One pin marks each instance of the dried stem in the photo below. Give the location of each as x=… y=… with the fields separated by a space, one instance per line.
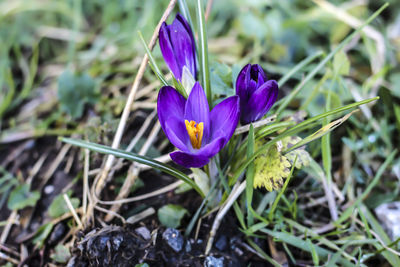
x=257 y=124
x=157 y=192
x=236 y=191
x=208 y=9
x=72 y=210
x=10 y=221
x=85 y=183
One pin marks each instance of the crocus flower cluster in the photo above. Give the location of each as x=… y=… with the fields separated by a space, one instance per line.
x=197 y=132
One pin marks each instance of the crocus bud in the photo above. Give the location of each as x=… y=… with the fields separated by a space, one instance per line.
x=178 y=47
x=256 y=93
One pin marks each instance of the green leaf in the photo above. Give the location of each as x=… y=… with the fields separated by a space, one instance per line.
x=201 y=179
x=42 y=233
x=314 y=253
x=182 y=188
x=271 y=168
x=134 y=157
x=171 y=215
x=221 y=78
x=142 y=265
x=61 y=254
x=74 y=91
x=341 y=64
x=58 y=207
x=21 y=197
x=250 y=177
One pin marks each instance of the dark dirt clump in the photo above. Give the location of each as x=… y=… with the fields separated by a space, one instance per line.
x=121 y=246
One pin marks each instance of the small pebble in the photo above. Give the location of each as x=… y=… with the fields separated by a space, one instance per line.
x=174 y=239
x=221 y=243
x=143 y=232
x=211 y=261
x=117 y=240
x=48 y=189
x=389 y=215
x=188 y=247
x=57 y=233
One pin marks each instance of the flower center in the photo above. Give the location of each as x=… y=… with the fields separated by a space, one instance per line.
x=195 y=133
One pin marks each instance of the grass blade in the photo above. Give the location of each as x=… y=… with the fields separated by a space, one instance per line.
x=152 y=61
x=183 y=8
x=134 y=157
x=250 y=176
x=203 y=51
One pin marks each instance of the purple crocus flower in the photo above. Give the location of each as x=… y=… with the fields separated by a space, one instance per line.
x=256 y=93
x=178 y=47
x=189 y=124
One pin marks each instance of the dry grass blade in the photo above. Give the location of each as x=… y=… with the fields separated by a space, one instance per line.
x=10 y=221
x=157 y=192
x=140 y=216
x=71 y=208
x=256 y=124
x=236 y=191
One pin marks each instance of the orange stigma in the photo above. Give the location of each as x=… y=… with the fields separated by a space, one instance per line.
x=195 y=133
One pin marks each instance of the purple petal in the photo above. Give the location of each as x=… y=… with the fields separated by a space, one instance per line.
x=261 y=79
x=256 y=72
x=242 y=82
x=189 y=160
x=175 y=130
x=261 y=101
x=185 y=24
x=170 y=104
x=211 y=149
x=168 y=51
x=197 y=109
x=224 y=118
x=183 y=46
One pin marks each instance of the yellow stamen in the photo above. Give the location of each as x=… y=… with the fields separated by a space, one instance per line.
x=195 y=133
